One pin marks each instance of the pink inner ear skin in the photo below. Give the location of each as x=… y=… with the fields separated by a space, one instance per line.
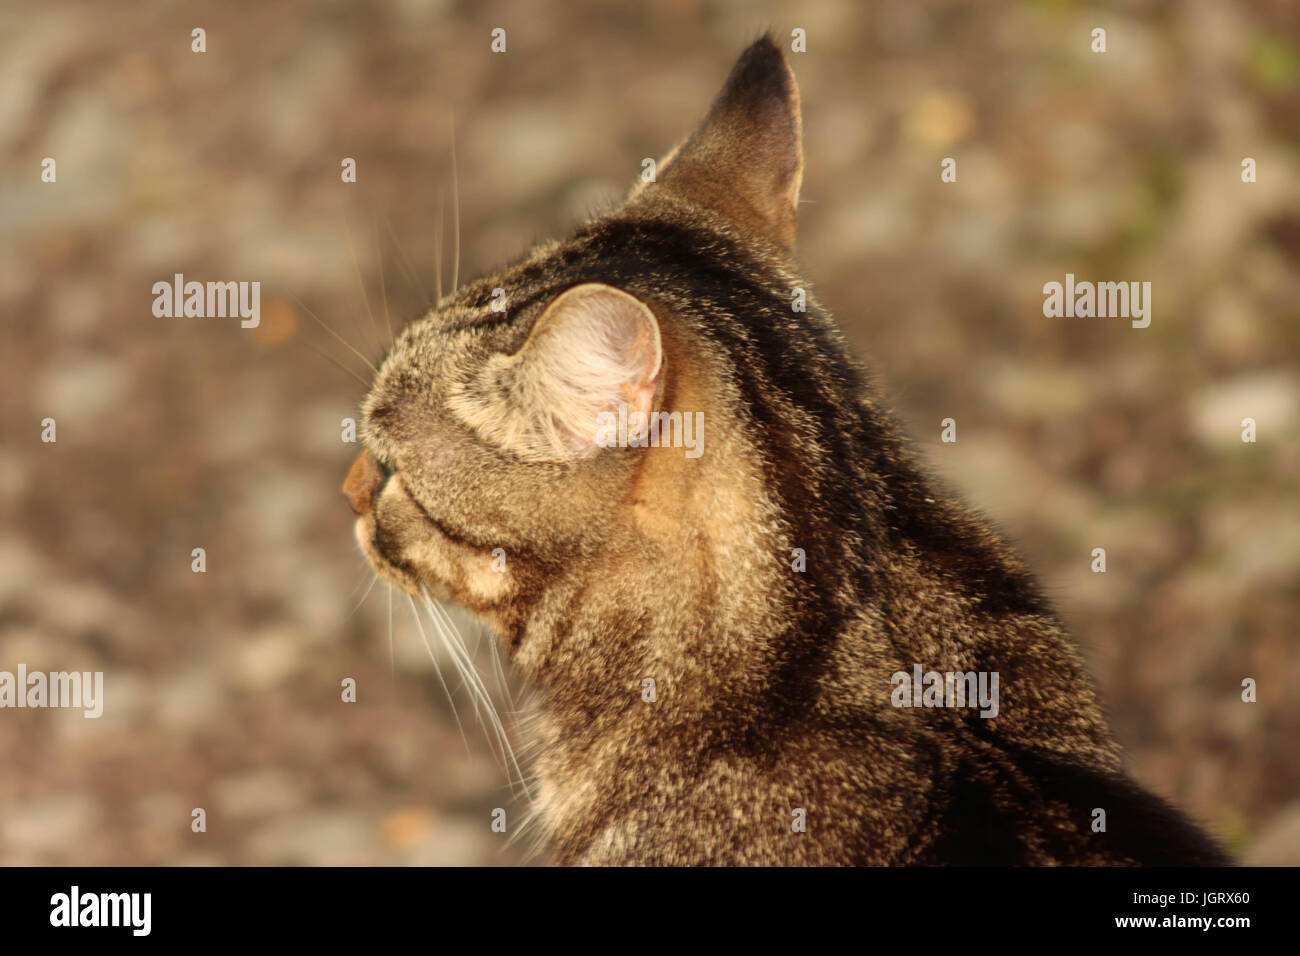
x=640 y=396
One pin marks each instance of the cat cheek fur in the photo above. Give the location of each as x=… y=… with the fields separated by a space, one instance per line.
x=402 y=544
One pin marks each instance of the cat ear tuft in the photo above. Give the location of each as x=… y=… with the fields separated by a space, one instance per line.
x=593 y=349
x=746 y=158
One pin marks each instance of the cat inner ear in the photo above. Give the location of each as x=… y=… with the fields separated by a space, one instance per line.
x=745 y=160
x=594 y=353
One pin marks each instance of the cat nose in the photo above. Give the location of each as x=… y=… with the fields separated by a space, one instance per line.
x=363 y=483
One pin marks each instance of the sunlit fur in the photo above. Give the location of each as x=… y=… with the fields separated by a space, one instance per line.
x=621 y=564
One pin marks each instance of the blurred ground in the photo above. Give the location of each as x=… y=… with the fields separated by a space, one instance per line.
x=223 y=687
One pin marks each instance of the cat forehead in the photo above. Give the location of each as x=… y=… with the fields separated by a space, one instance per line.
x=453 y=333
x=489 y=314
x=424 y=354
x=430 y=355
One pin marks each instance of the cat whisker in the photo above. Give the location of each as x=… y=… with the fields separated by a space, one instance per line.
x=348 y=345
x=357 y=606
x=465 y=680
x=529 y=826
x=437 y=246
x=521 y=827
x=406 y=266
x=455 y=214
x=458 y=642
x=366 y=569
x=329 y=358
x=468 y=673
x=502 y=683
x=356 y=265
x=457 y=646
x=477 y=693
x=438 y=670
x=383 y=285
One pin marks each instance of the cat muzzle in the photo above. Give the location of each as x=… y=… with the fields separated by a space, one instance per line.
x=364 y=482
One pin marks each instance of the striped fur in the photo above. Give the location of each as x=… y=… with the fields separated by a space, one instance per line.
x=772 y=686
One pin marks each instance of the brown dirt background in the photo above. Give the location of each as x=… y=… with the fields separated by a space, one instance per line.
x=223 y=688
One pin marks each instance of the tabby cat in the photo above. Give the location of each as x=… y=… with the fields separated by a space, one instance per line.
x=718 y=634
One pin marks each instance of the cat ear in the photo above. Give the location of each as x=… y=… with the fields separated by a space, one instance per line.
x=746 y=159
x=594 y=349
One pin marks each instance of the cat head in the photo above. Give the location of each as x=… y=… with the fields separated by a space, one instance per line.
x=505 y=431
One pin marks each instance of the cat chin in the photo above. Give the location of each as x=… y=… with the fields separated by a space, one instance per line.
x=403 y=577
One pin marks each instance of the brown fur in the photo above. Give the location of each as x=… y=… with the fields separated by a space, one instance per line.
x=773 y=686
